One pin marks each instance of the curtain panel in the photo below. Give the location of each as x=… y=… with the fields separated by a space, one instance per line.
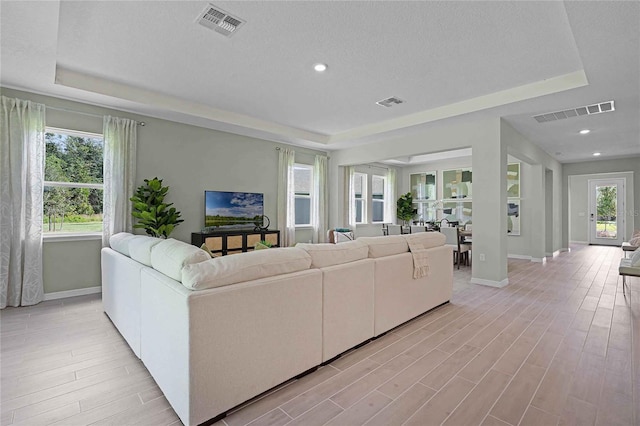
x=286 y=197
x=120 y=140
x=350 y=197
x=22 y=159
x=319 y=200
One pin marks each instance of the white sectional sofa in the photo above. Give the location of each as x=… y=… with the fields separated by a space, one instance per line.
x=214 y=333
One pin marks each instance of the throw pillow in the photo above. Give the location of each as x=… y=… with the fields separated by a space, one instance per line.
x=260 y=246
x=635 y=259
x=209 y=252
x=635 y=241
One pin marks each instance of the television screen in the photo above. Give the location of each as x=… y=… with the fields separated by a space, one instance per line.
x=233 y=209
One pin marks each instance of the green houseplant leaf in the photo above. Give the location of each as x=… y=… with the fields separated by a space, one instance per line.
x=405 y=209
x=155 y=216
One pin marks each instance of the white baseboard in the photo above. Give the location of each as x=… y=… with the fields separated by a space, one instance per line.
x=519 y=256
x=584 y=243
x=490 y=283
x=554 y=254
x=72 y=293
x=565 y=249
x=542 y=260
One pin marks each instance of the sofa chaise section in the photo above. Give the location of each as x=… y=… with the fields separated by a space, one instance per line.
x=213 y=349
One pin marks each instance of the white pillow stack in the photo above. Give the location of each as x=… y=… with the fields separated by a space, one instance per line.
x=170 y=256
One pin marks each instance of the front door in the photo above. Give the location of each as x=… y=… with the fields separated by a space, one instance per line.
x=606 y=211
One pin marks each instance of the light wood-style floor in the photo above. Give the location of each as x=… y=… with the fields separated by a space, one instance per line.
x=559 y=345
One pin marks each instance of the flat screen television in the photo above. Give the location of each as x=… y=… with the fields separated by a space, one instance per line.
x=233 y=209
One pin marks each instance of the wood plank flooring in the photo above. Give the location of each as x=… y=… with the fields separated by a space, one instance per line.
x=560 y=345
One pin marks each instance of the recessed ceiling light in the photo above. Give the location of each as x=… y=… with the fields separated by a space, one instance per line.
x=320 y=67
x=595 y=154
x=584 y=131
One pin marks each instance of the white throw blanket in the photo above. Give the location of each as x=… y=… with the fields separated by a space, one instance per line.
x=420 y=260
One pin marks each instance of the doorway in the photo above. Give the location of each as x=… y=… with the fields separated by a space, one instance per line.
x=606 y=211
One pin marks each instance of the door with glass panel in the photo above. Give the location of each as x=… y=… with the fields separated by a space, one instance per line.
x=606 y=211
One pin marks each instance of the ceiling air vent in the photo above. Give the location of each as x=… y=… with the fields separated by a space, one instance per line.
x=575 y=112
x=217 y=19
x=389 y=102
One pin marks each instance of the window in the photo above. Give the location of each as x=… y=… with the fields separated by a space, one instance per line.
x=73 y=187
x=377 y=198
x=360 y=185
x=302 y=182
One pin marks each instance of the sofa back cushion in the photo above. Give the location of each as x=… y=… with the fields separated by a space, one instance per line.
x=386 y=245
x=170 y=256
x=323 y=255
x=237 y=268
x=140 y=248
x=427 y=239
x=120 y=242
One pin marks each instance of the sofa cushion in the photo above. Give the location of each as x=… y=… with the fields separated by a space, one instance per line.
x=120 y=242
x=237 y=268
x=328 y=254
x=170 y=256
x=386 y=245
x=427 y=239
x=140 y=248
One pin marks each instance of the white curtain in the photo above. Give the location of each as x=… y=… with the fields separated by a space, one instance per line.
x=390 y=195
x=350 y=197
x=319 y=199
x=120 y=136
x=286 y=197
x=22 y=150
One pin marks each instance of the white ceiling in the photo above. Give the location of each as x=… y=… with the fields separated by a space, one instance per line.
x=447 y=60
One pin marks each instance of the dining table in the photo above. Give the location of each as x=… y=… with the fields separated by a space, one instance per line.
x=465 y=236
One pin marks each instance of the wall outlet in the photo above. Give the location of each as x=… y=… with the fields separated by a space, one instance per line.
x=482 y=257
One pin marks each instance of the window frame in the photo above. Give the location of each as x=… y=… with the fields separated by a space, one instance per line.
x=72 y=236
x=383 y=200
x=363 y=198
x=310 y=196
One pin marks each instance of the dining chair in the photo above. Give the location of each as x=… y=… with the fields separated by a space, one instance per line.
x=416 y=229
x=394 y=229
x=460 y=251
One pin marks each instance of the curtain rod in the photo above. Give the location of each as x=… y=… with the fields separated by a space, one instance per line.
x=139 y=123
x=278 y=149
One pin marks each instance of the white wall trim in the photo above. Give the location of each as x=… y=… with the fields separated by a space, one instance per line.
x=72 y=293
x=565 y=249
x=585 y=243
x=554 y=254
x=519 y=256
x=542 y=260
x=490 y=283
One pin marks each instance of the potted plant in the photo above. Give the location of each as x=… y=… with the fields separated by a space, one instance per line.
x=155 y=216
x=405 y=210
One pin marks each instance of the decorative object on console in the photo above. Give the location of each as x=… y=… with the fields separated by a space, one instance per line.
x=264 y=225
x=263 y=244
x=156 y=217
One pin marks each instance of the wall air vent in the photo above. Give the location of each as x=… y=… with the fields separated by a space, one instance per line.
x=218 y=20
x=389 y=102
x=576 y=112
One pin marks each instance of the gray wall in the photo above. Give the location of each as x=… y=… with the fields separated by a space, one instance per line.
x=190 y=159
x=541 y=222
x=578 y=190
x=489 y=178
x=631 y=164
